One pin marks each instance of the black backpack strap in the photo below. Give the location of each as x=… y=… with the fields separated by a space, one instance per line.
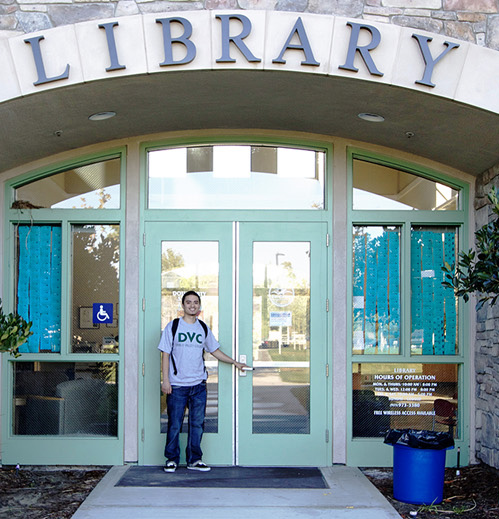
x=205 y=328
x=174 y=331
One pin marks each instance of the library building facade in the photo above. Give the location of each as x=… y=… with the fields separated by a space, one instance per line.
x=307 y=167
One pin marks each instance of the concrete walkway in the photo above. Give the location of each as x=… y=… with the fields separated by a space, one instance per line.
x=350 y=496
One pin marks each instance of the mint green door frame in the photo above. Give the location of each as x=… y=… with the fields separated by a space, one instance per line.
x=218 y=447
x=284 y=447
x=234 y=442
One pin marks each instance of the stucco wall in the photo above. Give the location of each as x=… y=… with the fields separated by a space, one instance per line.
x=475 y=21
x=486 y=347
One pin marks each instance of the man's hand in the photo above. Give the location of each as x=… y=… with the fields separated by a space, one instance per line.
x=166 y=387
x=220 y=355
x=240 y=365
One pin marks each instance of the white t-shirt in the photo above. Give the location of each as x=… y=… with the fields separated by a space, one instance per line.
x=190 y=342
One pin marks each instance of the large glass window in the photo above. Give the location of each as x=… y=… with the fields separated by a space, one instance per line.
x=92 y=186
x=95 y=289
x=404 y=396
x=67 y=282
x=376 y=186
x=236 y=177
x=38 y=285
x=434 y=308
x=405 y=229
x=65 y=398
x=376 y=290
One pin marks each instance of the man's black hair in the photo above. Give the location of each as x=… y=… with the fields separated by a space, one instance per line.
x=191 y=293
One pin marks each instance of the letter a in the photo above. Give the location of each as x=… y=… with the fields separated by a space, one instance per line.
x=298 y=29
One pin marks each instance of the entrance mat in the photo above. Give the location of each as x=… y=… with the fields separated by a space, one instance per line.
x=225 y=477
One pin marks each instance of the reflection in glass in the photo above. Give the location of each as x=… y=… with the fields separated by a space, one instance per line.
x=236 y=177
x=95 y=278
x=376 y=290
x=93 y=186
x=434 y=308
x=65 y=398
x=404 y=396
x=38 y=285
x=383 y=188
x=192 y=265
x=281 y=337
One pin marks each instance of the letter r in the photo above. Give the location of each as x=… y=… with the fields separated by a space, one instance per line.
x=236 y=40
x=353 y=47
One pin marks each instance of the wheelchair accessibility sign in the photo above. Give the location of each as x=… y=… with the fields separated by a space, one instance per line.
x=102 y=313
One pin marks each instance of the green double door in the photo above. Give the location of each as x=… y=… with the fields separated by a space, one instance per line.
x=263 y=293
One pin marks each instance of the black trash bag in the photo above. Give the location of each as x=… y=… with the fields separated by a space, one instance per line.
x=419 y=439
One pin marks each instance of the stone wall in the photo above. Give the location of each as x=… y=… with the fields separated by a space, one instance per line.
x=475 y=21
x=486 y=347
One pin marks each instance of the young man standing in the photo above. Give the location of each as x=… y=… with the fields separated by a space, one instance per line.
x=183 y=342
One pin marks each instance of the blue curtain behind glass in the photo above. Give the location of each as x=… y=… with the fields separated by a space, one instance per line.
x=433 y=306
x=39 y=286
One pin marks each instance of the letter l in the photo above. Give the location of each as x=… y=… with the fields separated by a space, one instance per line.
x=40 y=67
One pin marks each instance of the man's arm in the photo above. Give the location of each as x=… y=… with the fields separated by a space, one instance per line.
x=165 y=373
x=220 y=355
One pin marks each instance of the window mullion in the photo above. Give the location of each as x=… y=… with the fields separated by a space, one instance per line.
x=405 y=269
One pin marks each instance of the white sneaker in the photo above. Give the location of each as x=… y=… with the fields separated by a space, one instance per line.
x=199 y=465
x=170 y=466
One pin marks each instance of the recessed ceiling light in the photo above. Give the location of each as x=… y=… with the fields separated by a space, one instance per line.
x=372 y=118
x=101 y=116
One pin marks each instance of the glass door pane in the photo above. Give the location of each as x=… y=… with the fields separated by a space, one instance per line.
x=281 y=337
x=192 y=265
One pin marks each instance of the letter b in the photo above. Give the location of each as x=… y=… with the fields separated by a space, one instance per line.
x=184 y=40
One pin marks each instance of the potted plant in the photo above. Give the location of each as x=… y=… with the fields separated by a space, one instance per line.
x=14 y=331
x=478 y=272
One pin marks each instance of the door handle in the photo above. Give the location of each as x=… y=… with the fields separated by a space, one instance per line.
x=242 y=360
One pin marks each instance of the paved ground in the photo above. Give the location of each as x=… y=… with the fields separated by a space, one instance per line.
x=350 y=496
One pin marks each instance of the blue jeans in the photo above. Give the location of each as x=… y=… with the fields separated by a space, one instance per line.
x=194 y=398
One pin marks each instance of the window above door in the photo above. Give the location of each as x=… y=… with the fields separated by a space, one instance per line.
x=94 y=185
x=236 y=176
x=377 y=186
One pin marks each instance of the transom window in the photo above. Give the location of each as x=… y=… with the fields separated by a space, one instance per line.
x=236 y=177
x=91 y=186
x=376 y=186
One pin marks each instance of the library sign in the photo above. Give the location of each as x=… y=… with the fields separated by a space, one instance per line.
x=216 y=40
x=296 y=41
x=406 y=392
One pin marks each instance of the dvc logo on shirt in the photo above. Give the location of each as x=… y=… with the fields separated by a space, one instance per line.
x=190 y=337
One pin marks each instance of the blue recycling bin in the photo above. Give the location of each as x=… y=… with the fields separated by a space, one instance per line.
x=419 y=470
